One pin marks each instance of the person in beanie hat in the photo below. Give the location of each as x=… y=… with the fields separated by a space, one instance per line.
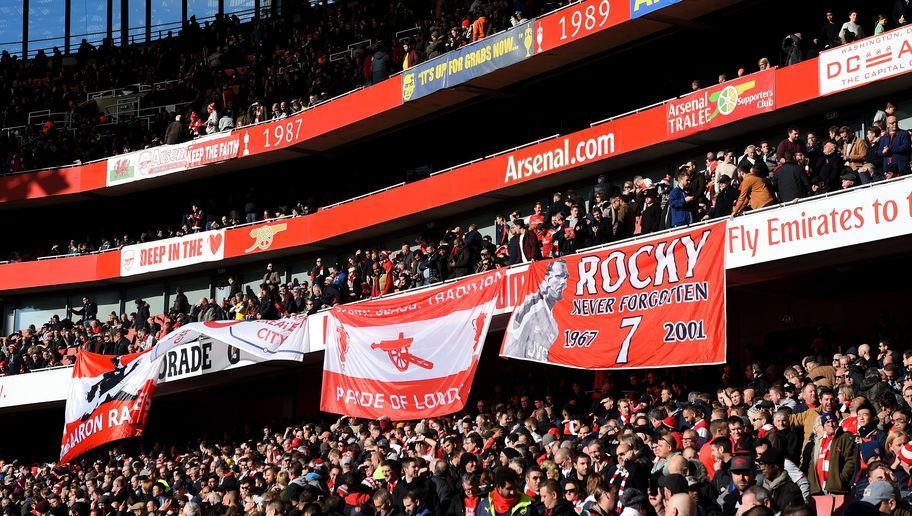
x=833 y=458
x=784 y=491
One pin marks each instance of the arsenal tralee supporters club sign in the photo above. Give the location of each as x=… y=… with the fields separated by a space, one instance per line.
x=656 y=303
x=408 y=357
x=721 y=104
x=160 y=255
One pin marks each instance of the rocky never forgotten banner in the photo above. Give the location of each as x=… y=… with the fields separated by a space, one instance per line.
x=656 y=303
x=110 y=395
x=408 y=357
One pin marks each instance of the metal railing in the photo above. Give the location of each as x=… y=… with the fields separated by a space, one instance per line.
x=135 y=34
x=338 y=56
x=397 y=185
x=130 y=89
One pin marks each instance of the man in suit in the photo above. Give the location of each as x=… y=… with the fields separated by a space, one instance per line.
x=524 y=245
x=895 y=147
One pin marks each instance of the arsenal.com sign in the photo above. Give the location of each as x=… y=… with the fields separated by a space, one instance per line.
x=868 y=60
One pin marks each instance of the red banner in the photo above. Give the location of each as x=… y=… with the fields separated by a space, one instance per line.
x=109 y=400
x=578 y=21
x=408 y=357
x=721 y=104
x=656 y=303
x=213 y=149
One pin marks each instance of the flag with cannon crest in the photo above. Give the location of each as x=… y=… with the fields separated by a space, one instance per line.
x=411 y=356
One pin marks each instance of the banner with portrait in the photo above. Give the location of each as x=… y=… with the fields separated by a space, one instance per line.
x=652 y=303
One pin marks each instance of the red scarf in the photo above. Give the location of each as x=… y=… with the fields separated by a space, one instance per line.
x=823 y=461
x=501 y=504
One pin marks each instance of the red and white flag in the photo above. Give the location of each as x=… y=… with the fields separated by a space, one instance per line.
x=109 y=400
x=110 y=395
x=408 y=357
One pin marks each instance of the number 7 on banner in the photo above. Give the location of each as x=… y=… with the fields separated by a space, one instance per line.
x=628 y=322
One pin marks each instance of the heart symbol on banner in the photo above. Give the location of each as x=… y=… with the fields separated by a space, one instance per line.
x=215 y=242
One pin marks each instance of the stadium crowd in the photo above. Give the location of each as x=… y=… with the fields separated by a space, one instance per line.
x=225 y=73
x=725 y=184
x=241 y=73
x=795 y=437
x=221 y=101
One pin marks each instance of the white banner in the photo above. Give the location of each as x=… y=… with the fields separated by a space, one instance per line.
x=109 y=395
x=160 y=255
x=840 y=220
x=285 y=339
x=168 y=159
x=868 y=60
x=408 y=357
x=202 y=357
x=147 y=163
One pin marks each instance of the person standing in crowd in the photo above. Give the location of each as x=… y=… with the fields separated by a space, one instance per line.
x=791 y=143
x=789 y=179
x=755 y=191
x=174 y=132
x=833 y=458
x=680 y=203
x=895 y=148
x=524 y=246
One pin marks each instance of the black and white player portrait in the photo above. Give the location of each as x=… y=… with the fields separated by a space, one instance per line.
x=533 y=328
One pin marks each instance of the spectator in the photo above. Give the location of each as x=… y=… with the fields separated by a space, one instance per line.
x=380 y=65
x=181 y=305
x=726 y=168
x=480 y=27
x=833 y=458
x=882 y=24
x=174 y=132
x=756 y=191
x=851 y=30
x=829 y=167
x=142 y=312
x=725 y=200
x=782 y=489
x=506 y=496
x=411 y=55
x=679 y=202
x=902 y=11
x=272 y=277
x=460 y=259
x=89 y=310
x=829 y=33
x=894 y=148
x=789 y=180
x=524 y=245
x=792 y=143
